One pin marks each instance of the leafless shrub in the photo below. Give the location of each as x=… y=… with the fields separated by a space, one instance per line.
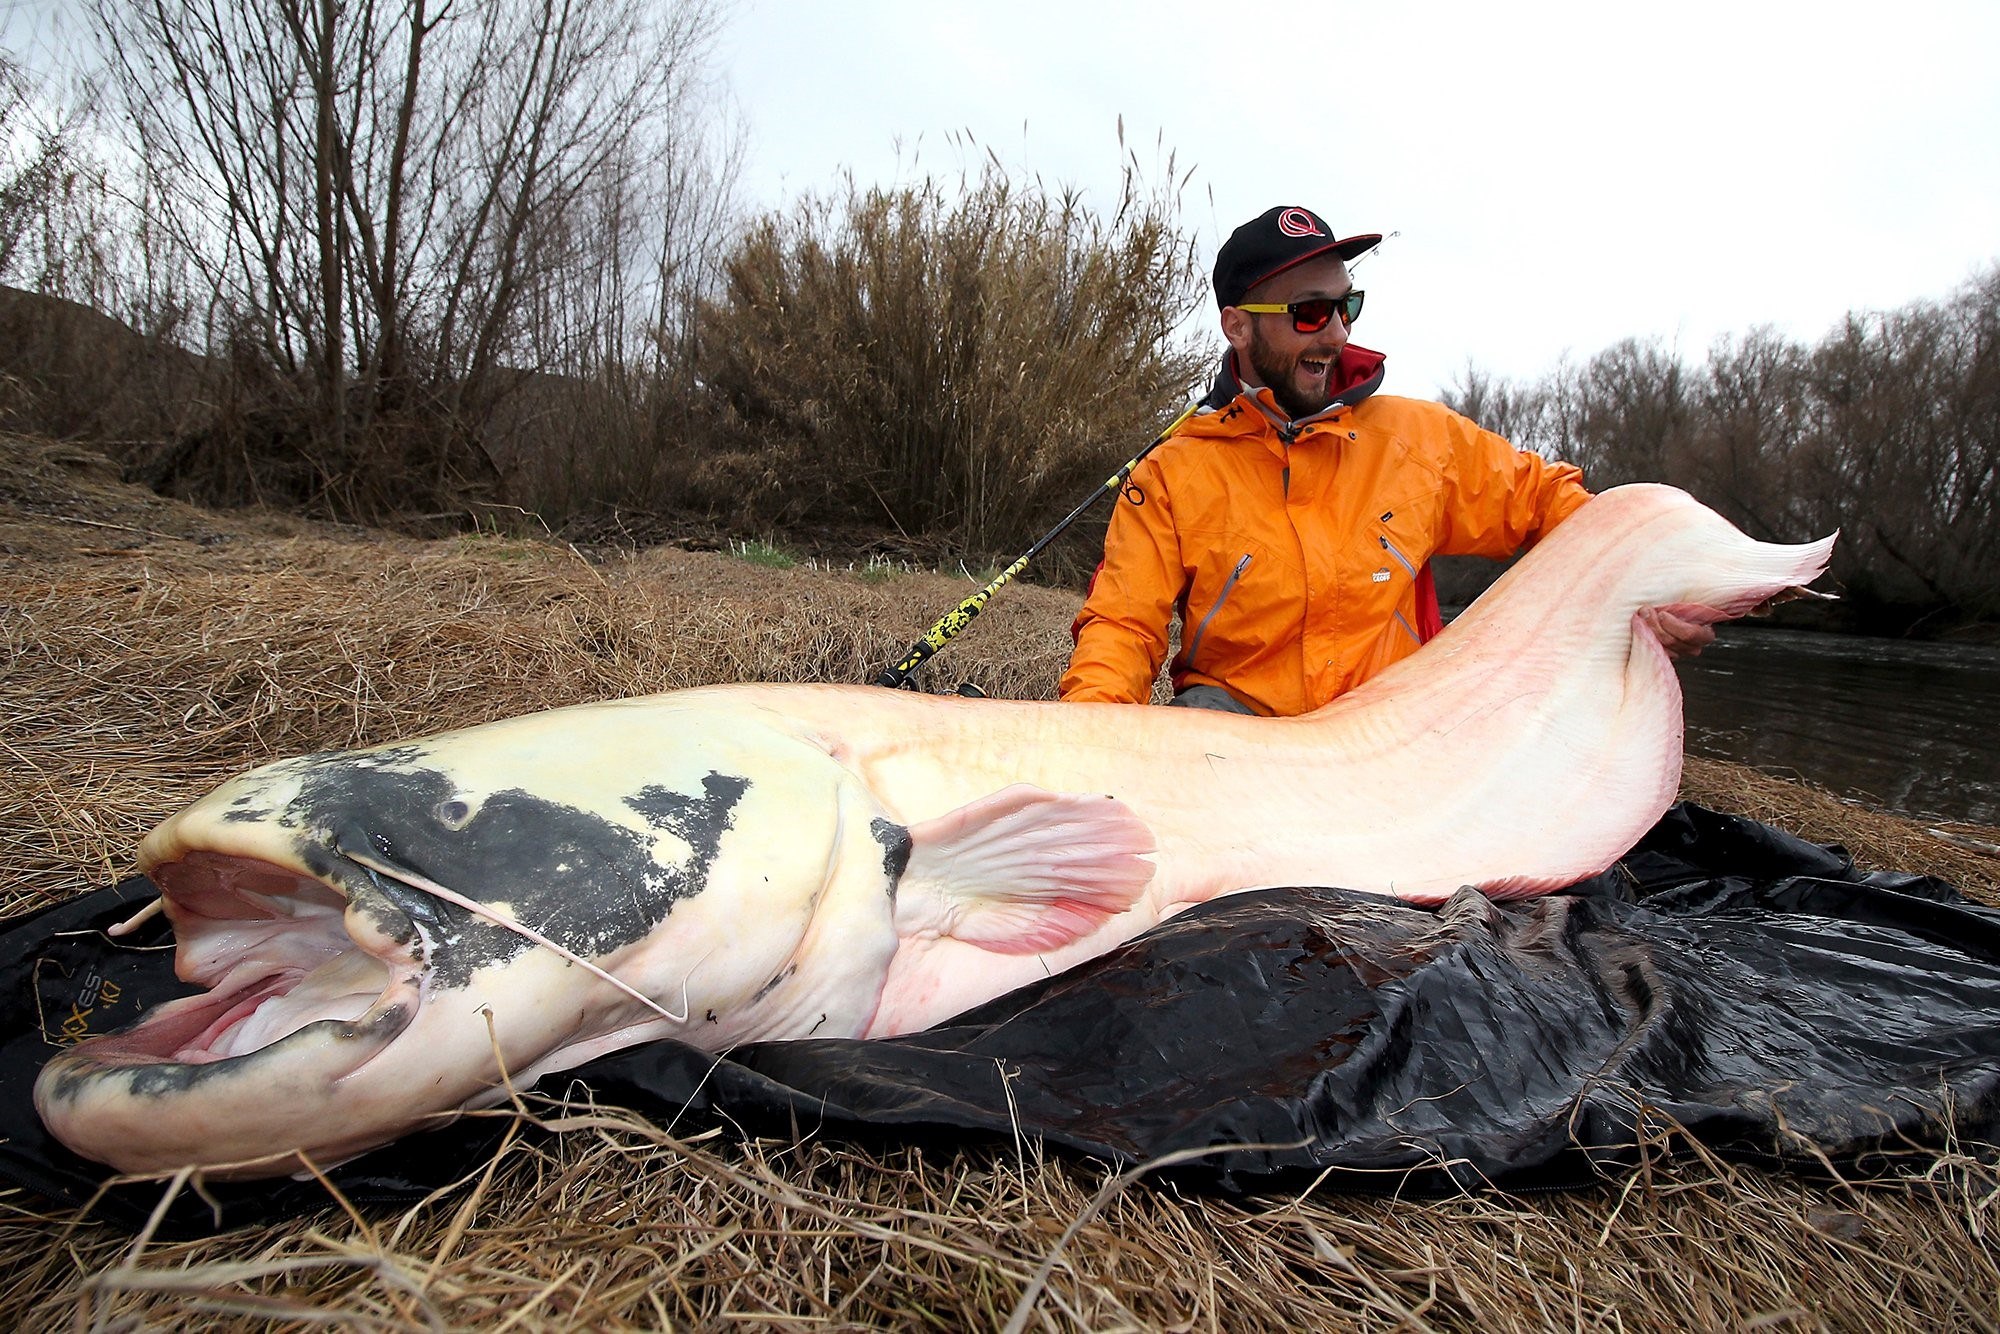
x=957 y=358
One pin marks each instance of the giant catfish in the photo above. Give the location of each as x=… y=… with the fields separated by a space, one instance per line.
x=391 y=935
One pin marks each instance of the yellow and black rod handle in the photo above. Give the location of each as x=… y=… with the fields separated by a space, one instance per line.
x=898 y=674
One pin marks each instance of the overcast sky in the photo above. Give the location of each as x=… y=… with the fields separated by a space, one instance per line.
x=1558 y=174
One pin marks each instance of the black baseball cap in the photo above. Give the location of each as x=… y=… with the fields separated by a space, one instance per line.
x=1273 y=242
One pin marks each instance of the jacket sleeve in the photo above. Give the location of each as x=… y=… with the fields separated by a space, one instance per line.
x=1502 y=498
x=1121 y=632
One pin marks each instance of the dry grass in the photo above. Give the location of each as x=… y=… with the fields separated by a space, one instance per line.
x=151 y=649
x=618 y=1225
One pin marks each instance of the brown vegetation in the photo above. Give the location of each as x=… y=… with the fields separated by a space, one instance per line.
x=1887 y=429
x=151 y=648
x=432 y=278
x=455 y=268
x=447 y=268
x=964 y=362
x=364 y=214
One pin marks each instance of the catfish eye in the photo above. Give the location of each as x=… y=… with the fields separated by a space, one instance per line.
x=453 y=814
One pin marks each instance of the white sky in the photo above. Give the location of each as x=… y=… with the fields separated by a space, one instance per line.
x=1560 y=173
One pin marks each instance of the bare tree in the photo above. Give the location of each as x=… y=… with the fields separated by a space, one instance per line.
x=1749 y=425
x=1888 y=429
x=56 y=209
x=1903 y=444
x=31 y=158
x=1517 y=411
x=391 y=198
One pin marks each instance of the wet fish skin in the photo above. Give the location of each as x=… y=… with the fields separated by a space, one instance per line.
x=777 y=861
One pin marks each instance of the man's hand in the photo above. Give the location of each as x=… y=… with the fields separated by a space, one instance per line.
x=1680 y=637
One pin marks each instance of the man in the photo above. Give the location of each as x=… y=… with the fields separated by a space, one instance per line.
x=1289 y=523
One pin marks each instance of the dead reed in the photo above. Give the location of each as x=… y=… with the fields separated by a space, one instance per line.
x=958 y=360
x=150 y=649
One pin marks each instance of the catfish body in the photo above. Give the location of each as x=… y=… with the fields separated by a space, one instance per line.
x=391 y=935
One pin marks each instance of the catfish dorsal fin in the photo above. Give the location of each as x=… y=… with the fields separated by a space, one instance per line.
x=1024 y=869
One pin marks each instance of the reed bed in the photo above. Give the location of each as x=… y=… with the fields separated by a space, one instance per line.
x=150 y=649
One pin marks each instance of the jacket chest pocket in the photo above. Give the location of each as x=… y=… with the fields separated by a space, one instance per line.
x=1199 y=630
x=1401 y=537
x=1398 y=540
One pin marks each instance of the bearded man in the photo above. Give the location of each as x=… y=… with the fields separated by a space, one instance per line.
x=1290 y=522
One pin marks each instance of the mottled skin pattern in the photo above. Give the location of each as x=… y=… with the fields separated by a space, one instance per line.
x=777 y=861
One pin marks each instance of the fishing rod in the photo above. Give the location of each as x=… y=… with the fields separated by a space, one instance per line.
x=897 y=675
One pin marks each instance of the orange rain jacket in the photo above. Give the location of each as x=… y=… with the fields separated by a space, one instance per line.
x=1294 y=564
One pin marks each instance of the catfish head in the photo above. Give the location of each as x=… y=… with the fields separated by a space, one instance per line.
x=386 y=937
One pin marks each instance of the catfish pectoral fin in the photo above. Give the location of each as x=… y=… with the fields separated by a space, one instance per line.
x=1024 y=869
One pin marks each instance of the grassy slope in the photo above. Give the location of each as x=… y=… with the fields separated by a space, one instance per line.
x=152 y=648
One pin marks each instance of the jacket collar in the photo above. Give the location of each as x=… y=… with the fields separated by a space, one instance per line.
x=1359 y=373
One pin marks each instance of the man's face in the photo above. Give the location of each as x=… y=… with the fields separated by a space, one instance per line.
x=1296 y=367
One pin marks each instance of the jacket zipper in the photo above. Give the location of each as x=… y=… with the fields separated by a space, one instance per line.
x=1228 y=585
x=1404 y=561
x=1401 y=559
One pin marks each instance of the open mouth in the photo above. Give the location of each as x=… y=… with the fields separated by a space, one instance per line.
x=276 y=952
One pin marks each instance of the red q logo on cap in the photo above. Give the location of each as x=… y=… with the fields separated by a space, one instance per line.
x=1298 y=222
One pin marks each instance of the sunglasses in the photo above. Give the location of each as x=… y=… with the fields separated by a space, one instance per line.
x=1314 y=313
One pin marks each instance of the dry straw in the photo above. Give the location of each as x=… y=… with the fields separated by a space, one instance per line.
x=151 y=649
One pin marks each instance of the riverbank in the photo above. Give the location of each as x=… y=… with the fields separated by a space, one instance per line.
x=153 y=648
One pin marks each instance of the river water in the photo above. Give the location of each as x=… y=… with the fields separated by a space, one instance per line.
x=1903 y=726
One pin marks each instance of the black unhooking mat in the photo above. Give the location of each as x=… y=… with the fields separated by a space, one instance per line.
x=1753 y=988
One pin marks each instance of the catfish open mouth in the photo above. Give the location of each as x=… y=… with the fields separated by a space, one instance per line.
x=277 y=952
